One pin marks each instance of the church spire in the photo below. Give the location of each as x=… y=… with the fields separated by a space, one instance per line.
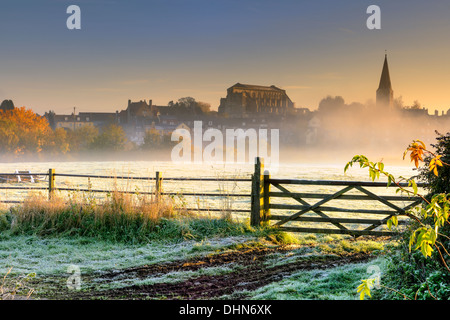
x=385 y=80
x=385 y=94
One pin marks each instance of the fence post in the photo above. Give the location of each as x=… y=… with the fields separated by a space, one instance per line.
x=257 y=196
x=51 y=183
x=266 y=190
x=158 y=185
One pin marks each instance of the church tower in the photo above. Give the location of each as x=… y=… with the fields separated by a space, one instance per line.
x=385 y=94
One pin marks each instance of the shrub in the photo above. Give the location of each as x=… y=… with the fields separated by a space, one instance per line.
x=424 y=254
x=437 y=183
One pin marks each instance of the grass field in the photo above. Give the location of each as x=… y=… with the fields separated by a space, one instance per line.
x=129 y=249
x=315 y=278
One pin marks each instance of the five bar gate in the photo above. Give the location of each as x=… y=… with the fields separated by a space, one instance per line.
x=357 y=224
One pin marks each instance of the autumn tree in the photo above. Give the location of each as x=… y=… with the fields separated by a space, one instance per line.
x=24 y=132
x=438 y=178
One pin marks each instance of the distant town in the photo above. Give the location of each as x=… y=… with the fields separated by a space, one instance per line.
x=262 y=107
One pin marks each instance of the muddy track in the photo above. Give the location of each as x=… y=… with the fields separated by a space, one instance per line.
x=252 y=273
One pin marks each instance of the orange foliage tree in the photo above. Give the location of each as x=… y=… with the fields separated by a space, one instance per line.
x=24 y=132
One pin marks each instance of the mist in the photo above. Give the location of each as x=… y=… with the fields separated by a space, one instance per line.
x=332 y=134
x=337 y=131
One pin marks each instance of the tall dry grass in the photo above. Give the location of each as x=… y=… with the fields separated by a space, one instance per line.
x=119 y=215
x=124 y=217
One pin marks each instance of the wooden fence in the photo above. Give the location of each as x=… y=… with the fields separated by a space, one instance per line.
x=157 y=181
x=263 y=209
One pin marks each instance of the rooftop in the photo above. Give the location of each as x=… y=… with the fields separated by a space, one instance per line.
x=257 y=87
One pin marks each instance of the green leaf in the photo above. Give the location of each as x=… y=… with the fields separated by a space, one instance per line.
x=346 y=167
x=412 y=239
x=364 y=288
x=414 y=185
x=392 y=221
x=389 y=180
x=425 y=240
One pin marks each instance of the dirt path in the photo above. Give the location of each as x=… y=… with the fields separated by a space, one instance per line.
x=251 y=274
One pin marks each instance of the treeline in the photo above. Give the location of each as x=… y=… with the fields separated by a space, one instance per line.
x=23 y=132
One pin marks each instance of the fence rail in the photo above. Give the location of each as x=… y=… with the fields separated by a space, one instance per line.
x=157 y=180
x=263 y=208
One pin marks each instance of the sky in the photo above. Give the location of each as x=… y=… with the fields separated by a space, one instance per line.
x=167 y=49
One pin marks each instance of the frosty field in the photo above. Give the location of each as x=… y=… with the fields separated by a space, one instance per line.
x=252 y=264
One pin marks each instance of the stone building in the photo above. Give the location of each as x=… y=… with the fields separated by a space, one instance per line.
x=244 y=100
x=136 y=112
x=134 y=115
x=385 y=94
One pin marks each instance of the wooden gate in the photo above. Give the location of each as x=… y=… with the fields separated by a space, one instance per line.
x=314 y=208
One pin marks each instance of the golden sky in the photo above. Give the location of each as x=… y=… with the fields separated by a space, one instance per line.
x=165 y=50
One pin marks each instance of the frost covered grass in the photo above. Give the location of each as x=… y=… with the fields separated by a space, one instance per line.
x=337 y=283
x=47 y=237
x=49 y=258
x=124 y=231
x=52 y=256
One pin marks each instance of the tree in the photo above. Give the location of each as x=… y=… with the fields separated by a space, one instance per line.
x=23 y=131
x=438 y=178
x=331 y=104
x=188 y=105
x=155 y=140
x=204 y=107
x=8 y=131
x=57 y=142
x=7 y=105
x=416 y=105
x=152 y=139
x=112 y=137
x=187 y=102
x=398 y=103
x=82 y=138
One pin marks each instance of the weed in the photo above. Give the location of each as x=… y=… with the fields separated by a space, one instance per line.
x=11 y=288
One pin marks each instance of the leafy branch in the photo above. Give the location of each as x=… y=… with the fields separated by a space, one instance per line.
x=424 y=238
x=367 y=284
